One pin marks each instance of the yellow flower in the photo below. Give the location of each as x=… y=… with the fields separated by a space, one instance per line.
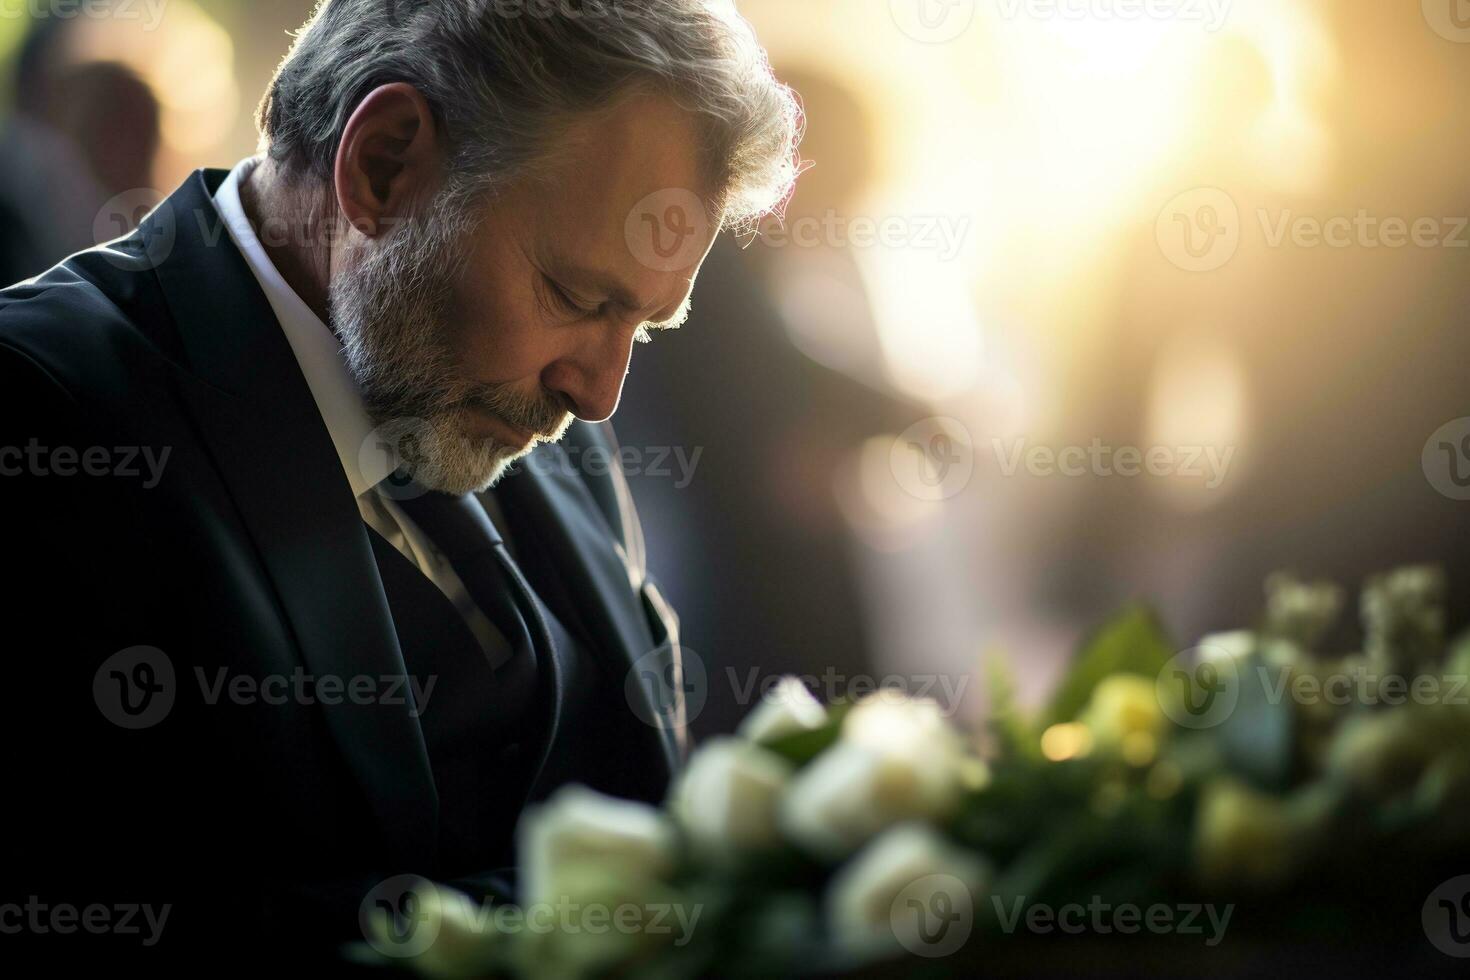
x=1242 y=835
x=1125 y=716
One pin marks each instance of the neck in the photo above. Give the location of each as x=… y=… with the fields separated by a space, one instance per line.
x=293 y=223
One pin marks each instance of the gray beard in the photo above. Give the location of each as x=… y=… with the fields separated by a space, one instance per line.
x=391 y=311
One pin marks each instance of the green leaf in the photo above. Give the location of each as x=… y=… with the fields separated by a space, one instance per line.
x=1014 y=733
x=1133 y=643
x=802 y=747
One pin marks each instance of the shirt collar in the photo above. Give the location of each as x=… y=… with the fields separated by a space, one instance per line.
x=317 y=350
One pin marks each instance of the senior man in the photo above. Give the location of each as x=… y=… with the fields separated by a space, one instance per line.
x=384 y=589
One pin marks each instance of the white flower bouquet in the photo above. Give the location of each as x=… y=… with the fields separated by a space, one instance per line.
x=1248 y=795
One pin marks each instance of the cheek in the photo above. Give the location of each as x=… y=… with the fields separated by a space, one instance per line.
x=496 y=331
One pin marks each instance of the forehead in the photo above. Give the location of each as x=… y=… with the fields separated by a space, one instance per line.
x=637 y=155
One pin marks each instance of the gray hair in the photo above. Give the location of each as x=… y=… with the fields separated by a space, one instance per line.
x=504 y=77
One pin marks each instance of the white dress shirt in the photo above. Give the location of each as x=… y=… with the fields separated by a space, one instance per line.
x=340 y=403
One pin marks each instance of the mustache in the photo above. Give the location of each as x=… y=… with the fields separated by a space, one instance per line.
x=543 y=413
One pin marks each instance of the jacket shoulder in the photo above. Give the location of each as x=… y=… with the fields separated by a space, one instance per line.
x=92 y=322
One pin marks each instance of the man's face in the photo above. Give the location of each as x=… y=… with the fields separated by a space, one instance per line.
x=485 y=328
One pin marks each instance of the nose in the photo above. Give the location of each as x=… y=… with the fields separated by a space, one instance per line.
x=589 y=375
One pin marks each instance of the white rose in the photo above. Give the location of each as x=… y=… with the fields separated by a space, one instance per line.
x=897 y=759
x=726 y=798
x=579 y=829
x=910 y=861
x=891 y=720
x=788 y=708
x=1233 y=646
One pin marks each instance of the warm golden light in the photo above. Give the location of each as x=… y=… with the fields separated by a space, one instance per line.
x=1069 y=740
x=189 y=61
x=1050 y=138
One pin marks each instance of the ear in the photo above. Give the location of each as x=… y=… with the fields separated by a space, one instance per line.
x=389 y=156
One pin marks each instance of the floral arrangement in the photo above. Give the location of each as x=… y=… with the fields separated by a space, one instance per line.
x=1252 y=792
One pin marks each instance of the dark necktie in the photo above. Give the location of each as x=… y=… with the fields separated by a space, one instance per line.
x=483 y=719
x=459 y=527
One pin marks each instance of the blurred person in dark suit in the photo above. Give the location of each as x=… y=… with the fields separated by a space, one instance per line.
x=79 y=134
x=326 y=423
x=772 y=427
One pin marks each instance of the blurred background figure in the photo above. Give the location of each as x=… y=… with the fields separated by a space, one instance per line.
x=106 y=106
x=748 y=544
x=78 y=134
x=45 y=186
x=1050 y=225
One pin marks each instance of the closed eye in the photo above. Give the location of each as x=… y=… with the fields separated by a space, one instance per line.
x=564 y=301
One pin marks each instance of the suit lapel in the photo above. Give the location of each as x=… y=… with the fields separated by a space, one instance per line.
x=544 y=497
x=258 y=417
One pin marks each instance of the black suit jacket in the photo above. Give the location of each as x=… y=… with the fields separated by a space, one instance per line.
x=242 y=556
